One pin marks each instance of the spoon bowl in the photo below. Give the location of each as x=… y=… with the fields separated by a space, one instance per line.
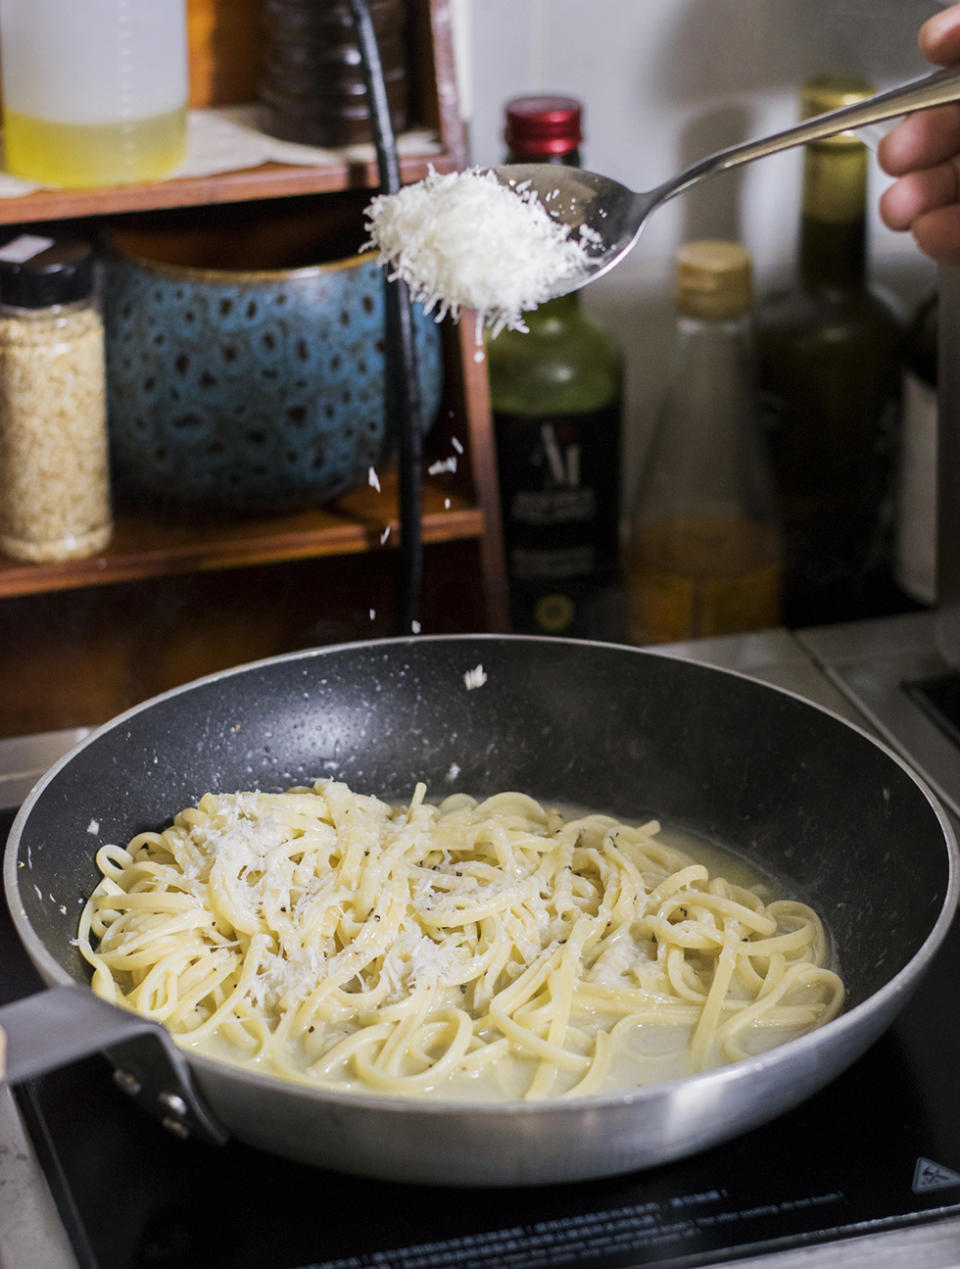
x=611 y=214
x=607 y=217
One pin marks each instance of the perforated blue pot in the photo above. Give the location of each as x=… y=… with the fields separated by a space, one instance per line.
x=251 y=390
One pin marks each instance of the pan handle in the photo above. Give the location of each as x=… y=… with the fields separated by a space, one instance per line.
x=59 y=1026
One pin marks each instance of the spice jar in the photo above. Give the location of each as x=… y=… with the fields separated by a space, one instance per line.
x=54 y=469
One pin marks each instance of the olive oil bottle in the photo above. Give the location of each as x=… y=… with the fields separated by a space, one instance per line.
x=829 y=373
x=704 y=551
x=556 y=391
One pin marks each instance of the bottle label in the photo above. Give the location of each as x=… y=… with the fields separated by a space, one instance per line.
x=560 y=494
x=24 y=247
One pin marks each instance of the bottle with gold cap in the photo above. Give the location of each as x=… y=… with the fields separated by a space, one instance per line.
x=829 y=372
x=704 y=550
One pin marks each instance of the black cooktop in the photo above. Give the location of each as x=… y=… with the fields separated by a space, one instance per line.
x=878 y=1149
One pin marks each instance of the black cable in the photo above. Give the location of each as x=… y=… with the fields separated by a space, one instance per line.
x=404 y=405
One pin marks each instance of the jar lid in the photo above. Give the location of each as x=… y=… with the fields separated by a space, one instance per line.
x=713 y=279
x=543 y=126
x=37 y=271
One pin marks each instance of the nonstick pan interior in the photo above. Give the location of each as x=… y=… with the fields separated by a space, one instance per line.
x=837 y=817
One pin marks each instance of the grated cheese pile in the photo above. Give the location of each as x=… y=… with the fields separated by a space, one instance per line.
x=463 y=240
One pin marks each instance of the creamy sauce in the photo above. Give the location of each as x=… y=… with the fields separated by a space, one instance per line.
x=652 y=1054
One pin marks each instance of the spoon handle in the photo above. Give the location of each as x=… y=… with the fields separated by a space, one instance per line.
x=932 y=90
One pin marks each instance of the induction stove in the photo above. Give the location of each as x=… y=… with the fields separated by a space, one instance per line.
x=866 y=1171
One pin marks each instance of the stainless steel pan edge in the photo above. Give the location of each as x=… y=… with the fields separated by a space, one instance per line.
x=446 y=1143
x=478 y=1145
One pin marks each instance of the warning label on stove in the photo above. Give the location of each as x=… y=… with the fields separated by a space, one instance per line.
x=928 y=1175
x=680 y=1225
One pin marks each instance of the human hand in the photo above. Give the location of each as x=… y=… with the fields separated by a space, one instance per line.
x=923 y=153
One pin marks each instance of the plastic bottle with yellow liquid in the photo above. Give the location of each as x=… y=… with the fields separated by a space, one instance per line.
x=704 y=554
x=94 y=92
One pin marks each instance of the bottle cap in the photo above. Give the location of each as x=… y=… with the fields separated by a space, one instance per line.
x=541 y=127
x=830 y=92
x=38 y=272
x=713 y=279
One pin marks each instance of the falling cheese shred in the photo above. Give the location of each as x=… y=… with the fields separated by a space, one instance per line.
x=463 y=240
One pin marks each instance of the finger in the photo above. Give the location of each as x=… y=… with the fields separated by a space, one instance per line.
x=918 y=193
x=939 y=37
x=937 y=234
x=922 y=140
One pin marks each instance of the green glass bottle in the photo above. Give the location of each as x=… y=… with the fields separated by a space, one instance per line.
x=829 y=372
x=557 y=395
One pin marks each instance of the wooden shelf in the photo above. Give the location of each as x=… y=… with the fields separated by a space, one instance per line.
x=149 y=544
x=269 y=180
x=224 y=38
x=224 y=48
x=169 y=599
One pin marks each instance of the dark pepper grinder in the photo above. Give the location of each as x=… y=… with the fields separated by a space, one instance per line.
x=312 y=88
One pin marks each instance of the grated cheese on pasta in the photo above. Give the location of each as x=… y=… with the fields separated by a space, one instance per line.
x=492 y=949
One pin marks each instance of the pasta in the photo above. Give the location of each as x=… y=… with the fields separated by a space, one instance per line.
x=467 y=949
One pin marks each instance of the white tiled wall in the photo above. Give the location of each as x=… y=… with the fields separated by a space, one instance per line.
x=665 y=82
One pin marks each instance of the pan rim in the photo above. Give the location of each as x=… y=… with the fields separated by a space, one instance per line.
x=903 y=982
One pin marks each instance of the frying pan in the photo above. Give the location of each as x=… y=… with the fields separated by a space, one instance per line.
x=805 y=795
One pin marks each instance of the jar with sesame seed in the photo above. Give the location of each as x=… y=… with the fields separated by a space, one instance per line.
x=54 y=463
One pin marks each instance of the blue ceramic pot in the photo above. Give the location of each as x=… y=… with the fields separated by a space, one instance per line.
x=251 y=390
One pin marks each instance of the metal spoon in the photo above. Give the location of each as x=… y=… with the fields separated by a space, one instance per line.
x=615 y=215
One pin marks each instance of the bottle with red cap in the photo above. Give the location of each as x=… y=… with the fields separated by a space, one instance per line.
x=557 y=401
